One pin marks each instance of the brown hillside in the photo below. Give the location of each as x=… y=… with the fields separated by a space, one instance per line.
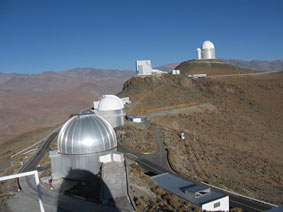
x=211 y=67
x=235 y=143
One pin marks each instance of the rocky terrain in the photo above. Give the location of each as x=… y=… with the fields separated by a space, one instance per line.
x=236 y=142
x=29 y=102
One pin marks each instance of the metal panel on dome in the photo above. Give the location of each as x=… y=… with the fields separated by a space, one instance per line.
x=86 y=134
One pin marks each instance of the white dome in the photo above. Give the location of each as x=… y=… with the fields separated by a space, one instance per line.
x=86 y=134
x=207 y=45
x=110 y=102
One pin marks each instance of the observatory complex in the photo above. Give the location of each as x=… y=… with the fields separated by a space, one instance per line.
x=207 y=51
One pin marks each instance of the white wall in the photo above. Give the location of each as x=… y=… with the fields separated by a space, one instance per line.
x=118 y=157
x=95 y=105
x=144 y=67
x=105 y=158
x=224 y=205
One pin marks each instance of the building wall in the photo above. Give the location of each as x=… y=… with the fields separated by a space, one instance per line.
x=144 y=67
x=208 y=54
x=223 y=205
x=114 y=117
x=74 y=166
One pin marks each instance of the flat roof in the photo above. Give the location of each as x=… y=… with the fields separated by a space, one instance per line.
x=175 y=185
x=278 y=209
x=194 y=188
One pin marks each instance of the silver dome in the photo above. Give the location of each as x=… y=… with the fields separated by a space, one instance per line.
x=86 y=134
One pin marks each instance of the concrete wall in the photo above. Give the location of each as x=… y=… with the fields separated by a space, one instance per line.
x=114 y=117
x=144 y=67
x=207 y=54
x=223 y=205
x=63 y=165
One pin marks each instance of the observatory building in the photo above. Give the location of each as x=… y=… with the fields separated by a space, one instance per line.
x=143 y=67
x=207 y=51
x=110 y=108
x=82 y=142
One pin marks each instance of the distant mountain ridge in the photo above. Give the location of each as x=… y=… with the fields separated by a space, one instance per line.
x=260 y=65
x=48 y=81
x=31 y=101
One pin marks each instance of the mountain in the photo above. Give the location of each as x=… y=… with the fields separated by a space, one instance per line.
x=260 y=65
x=232 y=125
x=41 y=100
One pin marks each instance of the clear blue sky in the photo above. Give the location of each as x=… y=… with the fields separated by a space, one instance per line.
x=54 y=35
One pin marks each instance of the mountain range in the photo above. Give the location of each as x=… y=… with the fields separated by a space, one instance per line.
x=28 y=102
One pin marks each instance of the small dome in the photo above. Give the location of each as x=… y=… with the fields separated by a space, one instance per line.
x=86 y=134
x=110 y=102
x=207 y=45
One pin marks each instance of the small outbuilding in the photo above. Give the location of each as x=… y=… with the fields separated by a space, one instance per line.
x=196 y=194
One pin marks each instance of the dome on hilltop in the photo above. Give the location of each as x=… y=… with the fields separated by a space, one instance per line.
x=207 y=45
x=86 y=134
x=110 y=102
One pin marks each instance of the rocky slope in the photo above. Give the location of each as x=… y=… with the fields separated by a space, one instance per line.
x=236 y=143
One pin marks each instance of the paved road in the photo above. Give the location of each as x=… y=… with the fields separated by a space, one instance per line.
x=176 y=111
x=34 y=160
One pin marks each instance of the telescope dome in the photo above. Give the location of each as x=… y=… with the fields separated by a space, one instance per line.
x=110 y=102
x=207 y=45
x=86 y=134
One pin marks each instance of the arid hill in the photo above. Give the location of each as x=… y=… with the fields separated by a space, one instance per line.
x=259 y=65
x=29 y=102
x=217 y=67
x=233 y=126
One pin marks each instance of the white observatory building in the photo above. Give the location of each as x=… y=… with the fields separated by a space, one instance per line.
x=81 y=142
x=207 y=51
x=110 y=108
x=143 y=67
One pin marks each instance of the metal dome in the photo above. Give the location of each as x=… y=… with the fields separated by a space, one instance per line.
x=110 y=102
x=207 y=45
x=86 y=134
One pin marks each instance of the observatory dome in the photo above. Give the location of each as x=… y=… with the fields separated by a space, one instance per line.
x=110 y=102
x=86 y=134
x=207 y=45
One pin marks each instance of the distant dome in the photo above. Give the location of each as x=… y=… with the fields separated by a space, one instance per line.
x=86 y=134
x=110 y=102
x=207 y=45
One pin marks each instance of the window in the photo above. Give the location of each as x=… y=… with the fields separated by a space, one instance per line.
x=216 y=205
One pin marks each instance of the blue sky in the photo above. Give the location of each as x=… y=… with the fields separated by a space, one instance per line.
x=54 y=35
